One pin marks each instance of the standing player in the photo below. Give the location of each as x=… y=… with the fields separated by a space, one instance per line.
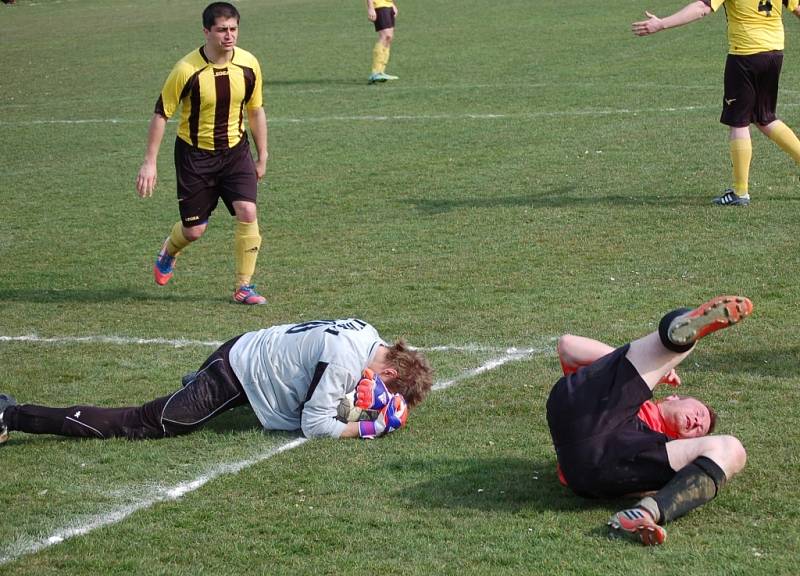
x=293 y=376
x=752 y=72
x=383 y=14
x=213 y=85
x=606 y=448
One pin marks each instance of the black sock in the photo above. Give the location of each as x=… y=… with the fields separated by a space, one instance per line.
x=663 y=331
x=691 y=487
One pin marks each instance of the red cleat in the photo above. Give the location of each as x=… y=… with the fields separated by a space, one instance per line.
x=164 y=266
x=247 y=295
x=636 y=524
x=717 y=313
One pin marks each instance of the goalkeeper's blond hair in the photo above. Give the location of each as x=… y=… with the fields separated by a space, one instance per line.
x=414 y=373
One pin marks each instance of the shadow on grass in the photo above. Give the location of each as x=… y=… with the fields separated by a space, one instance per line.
x=93 y=296
x=502 y=483
x=562 y=197
x=317 y=82
x=777 y=361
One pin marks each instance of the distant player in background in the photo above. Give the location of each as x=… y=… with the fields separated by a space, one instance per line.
x=383 y=14
x=213 y=85
x=612 y=441
x=293 y=376
x=752 y=72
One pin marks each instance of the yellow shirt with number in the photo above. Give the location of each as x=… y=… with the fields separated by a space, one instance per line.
x=754 y=25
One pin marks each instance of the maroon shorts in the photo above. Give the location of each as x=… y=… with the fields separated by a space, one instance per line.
x=751 y=89
x=384 y=19
x=205 y=176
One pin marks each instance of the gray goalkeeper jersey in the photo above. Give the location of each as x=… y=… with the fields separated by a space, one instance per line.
x=296 y=374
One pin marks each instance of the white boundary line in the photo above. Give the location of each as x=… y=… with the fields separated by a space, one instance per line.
x=406 y=117
x=23 y=546
x=182 y=342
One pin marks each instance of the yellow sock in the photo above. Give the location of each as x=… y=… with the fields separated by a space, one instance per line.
x=784 y=137
x=177 y=241
x=247 y=241
x=385 y=59
x=377 y=58
x=741 y=154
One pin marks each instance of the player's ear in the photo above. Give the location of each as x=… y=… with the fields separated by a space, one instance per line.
x=388 y=373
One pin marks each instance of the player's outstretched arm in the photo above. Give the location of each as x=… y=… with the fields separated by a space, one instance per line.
x=148 y=173
x=689 y=13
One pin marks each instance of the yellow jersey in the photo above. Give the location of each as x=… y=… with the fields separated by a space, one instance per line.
x=754 y=25
x=212 y=98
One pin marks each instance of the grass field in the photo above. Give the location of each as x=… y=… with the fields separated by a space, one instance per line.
x=536 y=170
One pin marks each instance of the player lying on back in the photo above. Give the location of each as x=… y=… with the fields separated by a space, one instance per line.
x=612 y=441
x=293 y=376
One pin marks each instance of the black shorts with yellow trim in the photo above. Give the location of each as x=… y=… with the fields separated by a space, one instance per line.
x=205 y=176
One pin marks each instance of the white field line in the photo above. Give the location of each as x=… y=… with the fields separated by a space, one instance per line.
x=182 y=342
x=26 y=545
x=405 y=117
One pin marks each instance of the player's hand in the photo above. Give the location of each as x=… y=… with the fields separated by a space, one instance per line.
x=146 y=180
x=371 y=392
x=652 y=25
x=671 y=378
x=371 y=14
x=392 y=417
x=261 y=167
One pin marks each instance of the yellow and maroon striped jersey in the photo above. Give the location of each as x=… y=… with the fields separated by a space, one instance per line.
x=754 y=25
x=213 y=98
x=382 y=3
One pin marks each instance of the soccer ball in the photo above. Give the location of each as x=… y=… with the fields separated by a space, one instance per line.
x=347 y=412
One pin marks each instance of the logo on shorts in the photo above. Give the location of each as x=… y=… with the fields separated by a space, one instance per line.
x=192 y=218
x=730 y=101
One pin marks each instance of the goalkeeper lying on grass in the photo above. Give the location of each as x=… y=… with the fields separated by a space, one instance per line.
x=293 y=376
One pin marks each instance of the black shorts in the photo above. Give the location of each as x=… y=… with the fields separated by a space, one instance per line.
x=603 y=448
x=384 y=18
x=751 y=89
x=205 y=176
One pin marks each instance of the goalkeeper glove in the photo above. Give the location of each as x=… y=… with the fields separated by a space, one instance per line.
x=391 y=418
x=371 y=392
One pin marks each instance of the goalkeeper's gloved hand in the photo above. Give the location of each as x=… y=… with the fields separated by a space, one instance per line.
x=371 y=392
x=391 y=418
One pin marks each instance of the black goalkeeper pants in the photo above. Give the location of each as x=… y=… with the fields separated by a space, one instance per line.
x=213 y=390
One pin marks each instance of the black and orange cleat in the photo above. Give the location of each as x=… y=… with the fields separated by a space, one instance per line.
x=717 y=313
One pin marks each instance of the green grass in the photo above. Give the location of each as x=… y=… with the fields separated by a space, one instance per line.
x=536 y=170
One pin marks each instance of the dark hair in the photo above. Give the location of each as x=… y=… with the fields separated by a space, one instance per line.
x=712 y=418
x=218 y=10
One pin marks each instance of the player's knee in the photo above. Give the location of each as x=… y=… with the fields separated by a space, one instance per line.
x=194 y=232
x=733 y=454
